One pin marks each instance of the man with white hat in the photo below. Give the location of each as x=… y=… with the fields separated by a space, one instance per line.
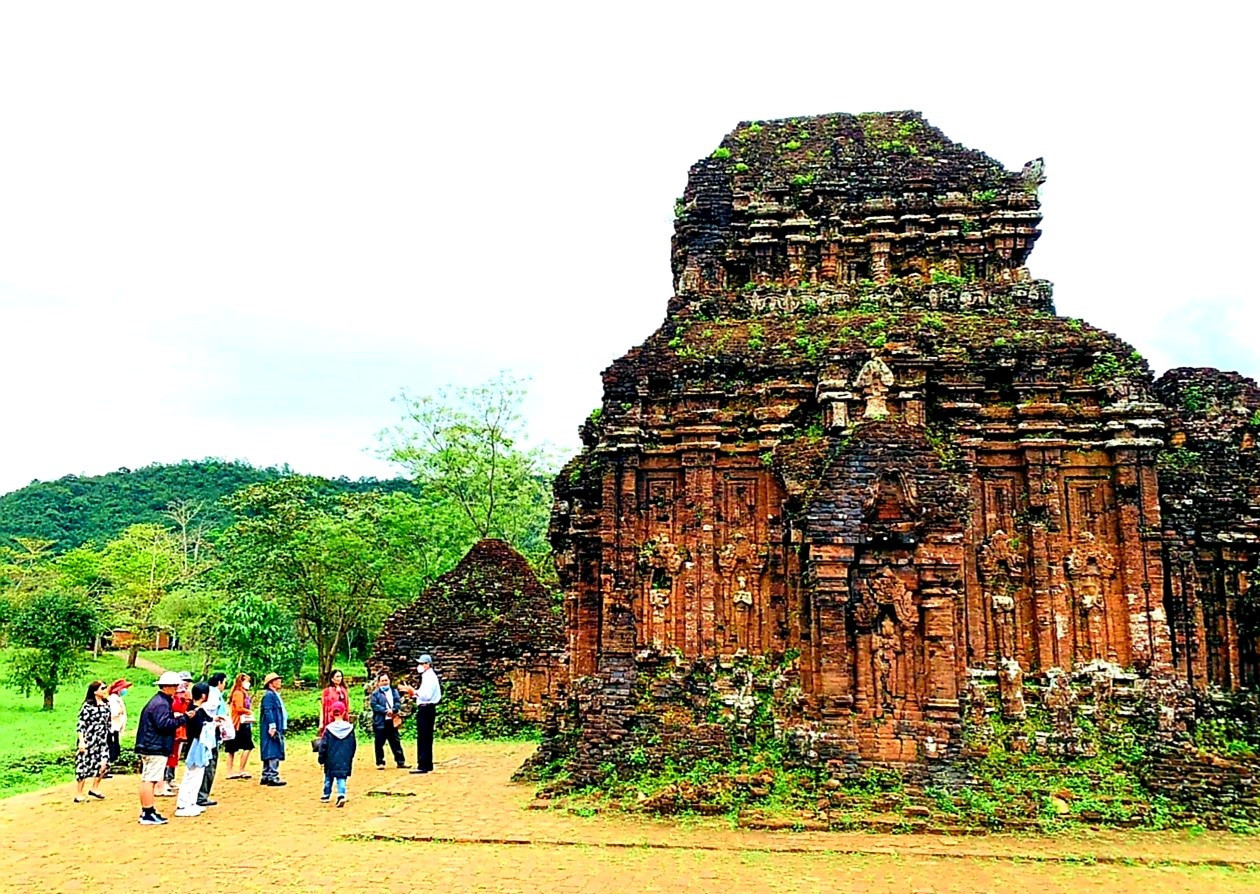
x=428 y=694
x=155 y=737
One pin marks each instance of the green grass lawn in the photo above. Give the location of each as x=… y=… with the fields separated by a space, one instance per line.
x=37 y=746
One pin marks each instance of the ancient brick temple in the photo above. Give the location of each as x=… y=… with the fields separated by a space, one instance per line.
x=492 y=629
x=863 y=438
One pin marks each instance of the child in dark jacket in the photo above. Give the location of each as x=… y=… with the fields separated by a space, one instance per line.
x=336 y=752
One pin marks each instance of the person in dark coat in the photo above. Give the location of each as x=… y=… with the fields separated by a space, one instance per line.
x=386 y=703
x=274 y=721
x=336 y=752
x=155 y=739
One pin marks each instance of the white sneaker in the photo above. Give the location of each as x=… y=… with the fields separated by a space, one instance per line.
x=190 y=811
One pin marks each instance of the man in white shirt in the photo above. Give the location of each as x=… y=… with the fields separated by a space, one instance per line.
x=428 y=694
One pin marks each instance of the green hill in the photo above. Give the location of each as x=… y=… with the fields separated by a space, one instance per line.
x=74 y=510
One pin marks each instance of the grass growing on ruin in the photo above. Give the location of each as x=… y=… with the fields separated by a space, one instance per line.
x=708 y=744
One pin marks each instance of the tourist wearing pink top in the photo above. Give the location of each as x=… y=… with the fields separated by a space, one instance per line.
x=334 y=692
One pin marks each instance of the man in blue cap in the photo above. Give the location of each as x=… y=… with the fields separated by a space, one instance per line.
x=428 y=694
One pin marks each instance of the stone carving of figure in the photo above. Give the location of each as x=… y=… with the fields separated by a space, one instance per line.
x=1060 y=702
x=1089 y=567
x=735 y=553
x=977 y=703
x=874 y=381
x=742 y=597
x=667 y=556
x=1001 y=570
x=886 y=650
x=1011 y=689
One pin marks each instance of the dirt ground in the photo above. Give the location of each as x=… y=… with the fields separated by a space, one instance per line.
x=465 y=827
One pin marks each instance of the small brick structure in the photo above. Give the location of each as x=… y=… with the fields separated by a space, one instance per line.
x=495 y=634
x=863 y=441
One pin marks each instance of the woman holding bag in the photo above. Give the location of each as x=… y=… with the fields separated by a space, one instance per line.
x=240 y=706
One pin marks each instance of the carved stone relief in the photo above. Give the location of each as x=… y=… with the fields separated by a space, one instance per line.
x=1002 y=571
x=874 y=381
x=1090 y=566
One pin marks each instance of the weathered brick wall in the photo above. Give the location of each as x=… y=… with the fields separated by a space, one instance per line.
x=1210 y=492
x=493 y=631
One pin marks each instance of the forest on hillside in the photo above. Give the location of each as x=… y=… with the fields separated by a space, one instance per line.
x=77 y=510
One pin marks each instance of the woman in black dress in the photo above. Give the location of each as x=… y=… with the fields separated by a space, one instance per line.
x=92 y=759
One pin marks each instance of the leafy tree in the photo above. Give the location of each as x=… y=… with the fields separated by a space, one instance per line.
x=190 y=612
x=254 y=635
x=463 y=447
x=82 y=569
x=24 y=567
x=49 y=635
x=334 y=561
x=142 y=566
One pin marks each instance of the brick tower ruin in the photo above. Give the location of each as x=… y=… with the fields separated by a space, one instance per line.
x=494 y=634
x=862 y=440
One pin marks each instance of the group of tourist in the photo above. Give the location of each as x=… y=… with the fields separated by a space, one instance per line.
x=194 y=722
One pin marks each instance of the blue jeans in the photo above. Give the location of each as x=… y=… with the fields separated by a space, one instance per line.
x=271 y=770
x=328 y=785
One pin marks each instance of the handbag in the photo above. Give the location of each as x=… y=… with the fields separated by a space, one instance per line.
x=315 y=743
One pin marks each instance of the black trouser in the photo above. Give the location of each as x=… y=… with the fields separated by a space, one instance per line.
x=425 y=717
x=388 y=733
x=115 y=748
x=207 y=781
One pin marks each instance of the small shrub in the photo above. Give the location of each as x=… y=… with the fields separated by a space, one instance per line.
x=1193 y=399
x=949 y=279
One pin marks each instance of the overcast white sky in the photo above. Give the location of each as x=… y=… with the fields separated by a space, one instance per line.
x=239 y=229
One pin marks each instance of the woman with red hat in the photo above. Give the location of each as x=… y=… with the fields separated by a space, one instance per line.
x=117 y=718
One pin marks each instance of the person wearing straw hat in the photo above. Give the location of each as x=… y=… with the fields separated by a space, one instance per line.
x=155 y=739
x=428 y=694
x=274 y=721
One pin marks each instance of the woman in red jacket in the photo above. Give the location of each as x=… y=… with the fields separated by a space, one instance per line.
x=333 y=693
